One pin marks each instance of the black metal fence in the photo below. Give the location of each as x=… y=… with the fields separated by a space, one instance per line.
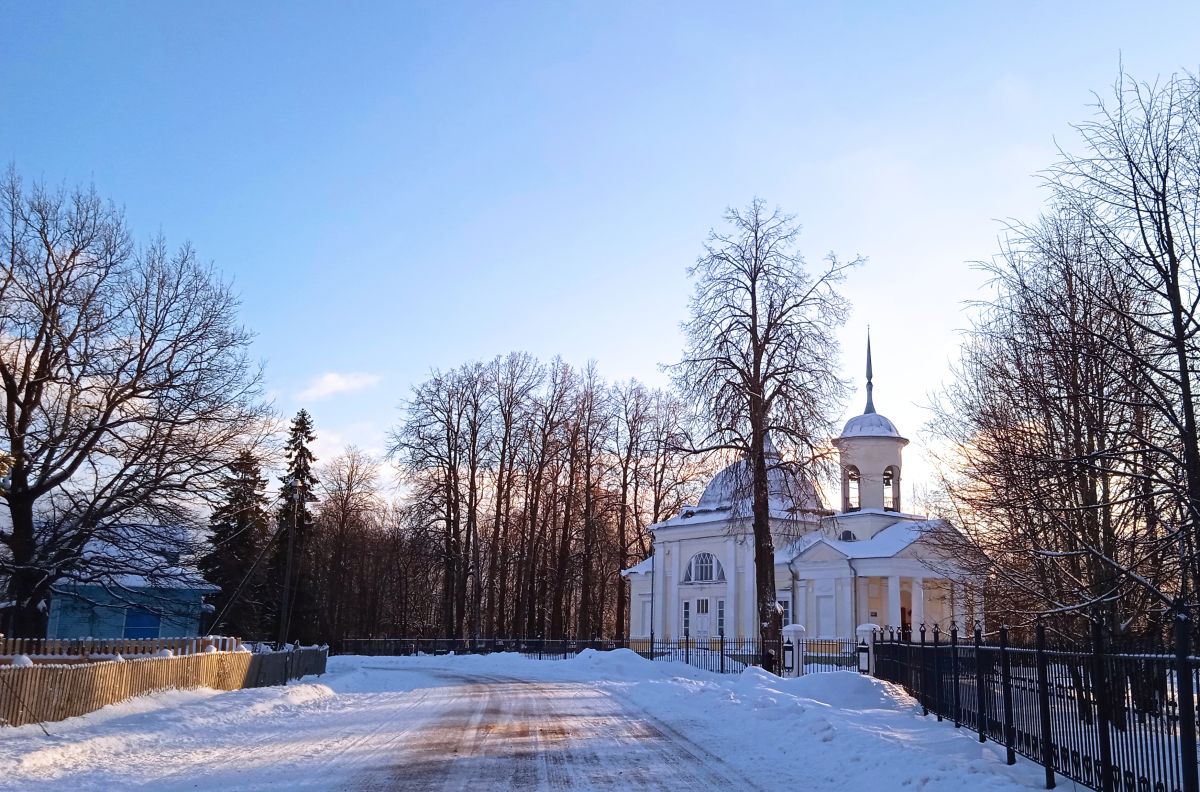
x=1113 y=718
x=718 y=654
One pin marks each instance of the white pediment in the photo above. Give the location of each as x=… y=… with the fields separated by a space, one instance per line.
x=820 y=552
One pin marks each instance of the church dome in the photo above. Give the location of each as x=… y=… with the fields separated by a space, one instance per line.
x=870 y=424
x=789 y=489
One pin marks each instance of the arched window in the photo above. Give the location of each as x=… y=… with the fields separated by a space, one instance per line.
x=704 y=568
x=891 y=489
x=853 y=503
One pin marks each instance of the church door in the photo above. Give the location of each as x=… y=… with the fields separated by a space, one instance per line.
x=703 y=626
x=826 y=618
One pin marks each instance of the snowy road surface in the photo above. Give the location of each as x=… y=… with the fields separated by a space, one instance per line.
x=506 y=733
x=600 y=721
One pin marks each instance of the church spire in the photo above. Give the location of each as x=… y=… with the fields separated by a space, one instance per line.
x=870 y=403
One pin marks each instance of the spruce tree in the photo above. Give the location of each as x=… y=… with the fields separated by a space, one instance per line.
x=240 y=528
x=296 y=492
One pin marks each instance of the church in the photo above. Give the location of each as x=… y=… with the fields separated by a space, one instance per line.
x=865 y=562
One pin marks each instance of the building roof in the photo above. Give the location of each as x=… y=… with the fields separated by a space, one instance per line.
x=643 y=566
x=888 y=543
x=870 y=425
x=137 y=566
x=791 y=494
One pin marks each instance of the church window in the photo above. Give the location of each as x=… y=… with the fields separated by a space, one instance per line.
x=721 y=617
x=687 y=616
x=785 y=608
x=853 y=503
x=891 y=489
x=704 y=568
x=702 y=607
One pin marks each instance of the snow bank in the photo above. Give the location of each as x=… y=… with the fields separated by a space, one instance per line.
x=824 y=731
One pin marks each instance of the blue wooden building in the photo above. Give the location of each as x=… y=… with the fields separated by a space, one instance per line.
x=91 y=610
x=142 y=590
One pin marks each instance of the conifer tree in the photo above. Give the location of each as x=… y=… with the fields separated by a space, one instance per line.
x=240 y=529
x=299 y=619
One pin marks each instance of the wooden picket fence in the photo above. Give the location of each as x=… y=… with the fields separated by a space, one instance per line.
x=61 y=650
x=30 y=694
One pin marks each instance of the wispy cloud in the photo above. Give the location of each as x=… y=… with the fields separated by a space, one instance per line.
x=332 y=382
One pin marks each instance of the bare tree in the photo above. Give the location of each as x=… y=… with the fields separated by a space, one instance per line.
x=126 y=390
x=1136 y=186
x=347 y=508
x=513 y=380
x=1072 y=419
x=1046 y=440
x=564 y=497
x=760 y=361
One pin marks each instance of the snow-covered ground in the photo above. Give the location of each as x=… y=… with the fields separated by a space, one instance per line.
x=606 y=720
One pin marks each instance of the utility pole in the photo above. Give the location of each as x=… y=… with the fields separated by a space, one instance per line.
x=285 y=599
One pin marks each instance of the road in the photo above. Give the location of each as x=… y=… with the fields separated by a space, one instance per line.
x=503 y=733
x=603 y=721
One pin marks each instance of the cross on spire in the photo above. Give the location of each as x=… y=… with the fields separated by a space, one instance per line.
x=870 y=387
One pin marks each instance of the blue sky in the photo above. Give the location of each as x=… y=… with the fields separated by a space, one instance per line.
x=395 y=187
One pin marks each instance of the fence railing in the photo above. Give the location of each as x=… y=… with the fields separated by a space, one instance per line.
x=1105 y=716
x=80 y=649
x=717 y=654
x=50 y=692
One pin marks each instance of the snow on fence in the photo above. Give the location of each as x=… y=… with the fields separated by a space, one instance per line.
x=1107 y=718
x=80 y=650
x=717 y=654
x=50 y=692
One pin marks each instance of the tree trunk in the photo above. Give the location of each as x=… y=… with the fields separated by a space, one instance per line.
x=28 y=585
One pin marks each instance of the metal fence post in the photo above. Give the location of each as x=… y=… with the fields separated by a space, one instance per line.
x=922 y=694
x=1102 y=705
x=687 y=648
x=1006 y=686
x=722 y=652
x=954 y=672
x=1043 y=684
x=1185 y=688
x=937 y=672
x=981 y=711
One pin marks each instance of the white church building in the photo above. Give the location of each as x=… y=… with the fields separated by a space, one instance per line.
x=866 y=562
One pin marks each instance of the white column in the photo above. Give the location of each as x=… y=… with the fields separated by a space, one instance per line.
x=675 y=620
x=751 y=606
x=800 y=606
x=958 y=596
x=918 y=603
x=893 y=602
x=669 y=592
x=731 y=597
x=659 y=595
x=844 y=607
x=794 y=590
x=810 y=609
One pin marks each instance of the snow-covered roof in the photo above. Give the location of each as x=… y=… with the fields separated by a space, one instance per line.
x=886 y=544
x=791 y=495
x=645 y=565
x=136 y=567
x=870 y=424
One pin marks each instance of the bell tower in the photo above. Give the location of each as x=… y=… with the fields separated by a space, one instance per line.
x=870 y=449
